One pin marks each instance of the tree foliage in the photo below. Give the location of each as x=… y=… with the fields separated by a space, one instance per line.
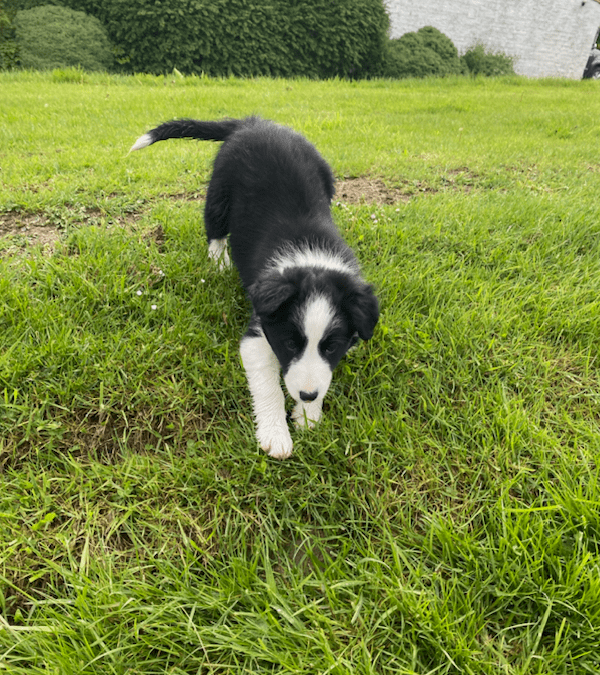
x=9 y=48
x=56 y=37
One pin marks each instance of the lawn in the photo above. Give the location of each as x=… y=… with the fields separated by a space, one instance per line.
x=444 y=517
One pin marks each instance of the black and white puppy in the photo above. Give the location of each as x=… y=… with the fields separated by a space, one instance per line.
x=270 y=192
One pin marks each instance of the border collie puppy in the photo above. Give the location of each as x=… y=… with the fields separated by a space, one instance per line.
x=270 y=192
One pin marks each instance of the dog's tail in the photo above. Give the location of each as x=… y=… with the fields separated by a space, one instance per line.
x=203 y=131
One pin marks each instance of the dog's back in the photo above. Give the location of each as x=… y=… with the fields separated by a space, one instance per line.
x=270 y=187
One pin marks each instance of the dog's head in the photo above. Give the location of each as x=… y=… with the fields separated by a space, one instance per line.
x=311 y=317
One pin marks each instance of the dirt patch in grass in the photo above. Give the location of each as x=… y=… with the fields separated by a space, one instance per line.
x=359 y=190
x=195 y=196
x=363 y=190
x=100 y=435
x=19 y=230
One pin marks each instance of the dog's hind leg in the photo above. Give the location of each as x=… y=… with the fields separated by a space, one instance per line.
x=217 y=251
x=216 y=216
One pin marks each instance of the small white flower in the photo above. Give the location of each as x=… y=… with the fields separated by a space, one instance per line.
x=373 y=216
x=202 y=280
x=138 y=292
x=153 y=307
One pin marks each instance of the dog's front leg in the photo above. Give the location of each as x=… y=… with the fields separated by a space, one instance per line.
x=262 y=371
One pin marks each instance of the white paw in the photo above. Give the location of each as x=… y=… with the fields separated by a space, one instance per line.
x=217 y=251
x=306 y=415
x=224 y=262
x=276 y=442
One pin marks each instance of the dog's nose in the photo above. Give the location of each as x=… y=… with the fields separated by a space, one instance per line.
x=309 y=395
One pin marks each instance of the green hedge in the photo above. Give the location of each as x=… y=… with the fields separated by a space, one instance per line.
x=424 y=53
x=313 y=38
x=480 y=62
x=58 y=37
x=286 y=38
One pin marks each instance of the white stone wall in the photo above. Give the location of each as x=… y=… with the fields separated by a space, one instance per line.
x=548 y=38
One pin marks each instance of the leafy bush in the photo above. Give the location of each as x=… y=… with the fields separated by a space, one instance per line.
x=9 y=54
x=29 y=4
x=480 y=62
x=9 y=48
x=424 y=53
x=58 y=37
x=313 y=38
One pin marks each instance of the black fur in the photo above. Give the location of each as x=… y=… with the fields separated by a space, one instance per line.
x=271 y=190
x=281 y=322
x=270 y=193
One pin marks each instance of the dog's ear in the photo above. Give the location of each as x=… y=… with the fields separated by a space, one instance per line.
x=363 y=308
x=271 y=292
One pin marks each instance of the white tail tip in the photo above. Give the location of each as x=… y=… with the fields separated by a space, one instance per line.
x=142 y=142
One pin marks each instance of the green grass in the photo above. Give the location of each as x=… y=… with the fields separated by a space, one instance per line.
x=445 y=515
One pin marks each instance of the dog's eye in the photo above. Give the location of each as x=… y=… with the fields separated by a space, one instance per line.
x=330 y=347
x=290 y=345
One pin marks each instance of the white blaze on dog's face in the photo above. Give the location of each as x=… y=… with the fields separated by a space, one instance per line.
x=309 y=342
x=308 y=374
x=310 y=317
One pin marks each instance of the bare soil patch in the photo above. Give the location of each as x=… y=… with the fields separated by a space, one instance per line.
x=363 y=190
x=359 y=190
x=19 y=230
